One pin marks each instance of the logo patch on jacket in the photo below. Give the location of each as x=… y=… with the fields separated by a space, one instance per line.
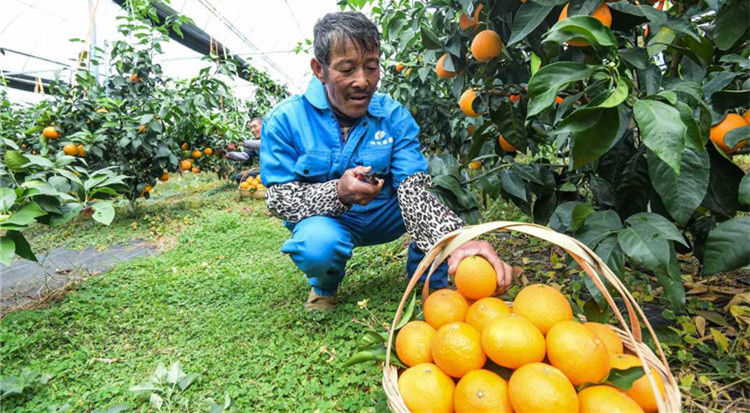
x=380 y=139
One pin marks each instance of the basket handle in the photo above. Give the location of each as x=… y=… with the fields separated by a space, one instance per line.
x=591 y=264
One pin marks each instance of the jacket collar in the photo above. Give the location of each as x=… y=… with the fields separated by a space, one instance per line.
x=316 y=95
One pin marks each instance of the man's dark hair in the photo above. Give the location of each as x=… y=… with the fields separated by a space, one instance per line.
x=335 y=28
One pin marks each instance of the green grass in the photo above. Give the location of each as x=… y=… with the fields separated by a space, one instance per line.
x=226 y=304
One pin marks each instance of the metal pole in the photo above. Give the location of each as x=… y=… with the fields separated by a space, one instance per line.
x=92 y=51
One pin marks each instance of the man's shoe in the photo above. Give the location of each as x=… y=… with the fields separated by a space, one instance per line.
x=317 y=302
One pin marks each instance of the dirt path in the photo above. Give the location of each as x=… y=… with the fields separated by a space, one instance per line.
x=27 y=282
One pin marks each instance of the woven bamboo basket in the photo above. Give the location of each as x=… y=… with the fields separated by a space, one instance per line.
x=595 y=268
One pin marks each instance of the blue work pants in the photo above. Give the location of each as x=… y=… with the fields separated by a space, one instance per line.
x=321 y=245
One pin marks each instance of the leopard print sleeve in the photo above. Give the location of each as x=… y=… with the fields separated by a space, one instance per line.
x=425 y=217
x=295 y=201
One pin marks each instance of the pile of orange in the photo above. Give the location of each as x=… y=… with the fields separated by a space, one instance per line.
x=468 y=336
x=252 y=184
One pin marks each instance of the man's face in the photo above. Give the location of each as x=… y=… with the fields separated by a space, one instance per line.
x=255 y=129
x=350 y=79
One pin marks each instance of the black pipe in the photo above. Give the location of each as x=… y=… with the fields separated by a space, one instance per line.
x=198 y=40
x=24 y=82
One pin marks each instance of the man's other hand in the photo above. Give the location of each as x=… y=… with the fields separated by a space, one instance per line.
x=483 y=249
x=353 y=191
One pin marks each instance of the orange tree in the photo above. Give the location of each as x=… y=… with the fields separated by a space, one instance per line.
x=38 y=188
x=598 y=126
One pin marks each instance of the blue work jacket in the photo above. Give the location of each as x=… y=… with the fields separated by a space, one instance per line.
x=301 y=141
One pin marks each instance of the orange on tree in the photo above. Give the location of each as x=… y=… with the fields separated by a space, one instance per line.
x=577 y=352
x=746 y=116
x=514 y=97
x=641 y=390
x=608 y=336
x=70 y=149
x=142 y=128
x=475 y=165
x=512 y=341
x=50 y=132
x=102 y=110
x=164 y=177
x=718 y=131
x=184 y=146
x=425 y=388
x=186 y=164
x=195 y=170
x=485 y=310
x=475 y=277
x=602 y=13
x=543 y=305
x=135 y=78
x=465 y=22
x=466 y=102
x=486 y=46
x=148 y=188
x=208 y=151
x=482 y=391
x=400 y=67
x=443 y=307
x=413 y=343
x=596 y=399
x=507 y=147
x=559 y=99
x=457 y=349
x=196 y=154
x=539 y=387
x=407 y=72
x=441 y=72
x=80 y=150
x=470 y=129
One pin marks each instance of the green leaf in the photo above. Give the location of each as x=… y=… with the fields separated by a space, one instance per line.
x=26 y=214
x=618 y=95
x=644 y=244
x=598 y=226
x=527 y=18
x=430 y=40
x=550 y=79
x=7 y=198
x=662 y=225
x=7 y=250
x=743 y=192
x=585 y=28
x=569 y=216
x=624 y=379
x=662 y=130
x=660 y=41
x=723 y=183
x=727 y=247
x=720 y=339
x=513 y=184
x=406 y=316
x=682 y=194
x=635 y=56
x=104 y=212
x=594 y=131
x=23 y=249
x=15 y=161
x=370 y=340
x=735 y=136
x=610 y=252
x=536 y=63
x=731 y=23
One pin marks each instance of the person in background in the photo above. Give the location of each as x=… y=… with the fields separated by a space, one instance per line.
x=252 y=149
